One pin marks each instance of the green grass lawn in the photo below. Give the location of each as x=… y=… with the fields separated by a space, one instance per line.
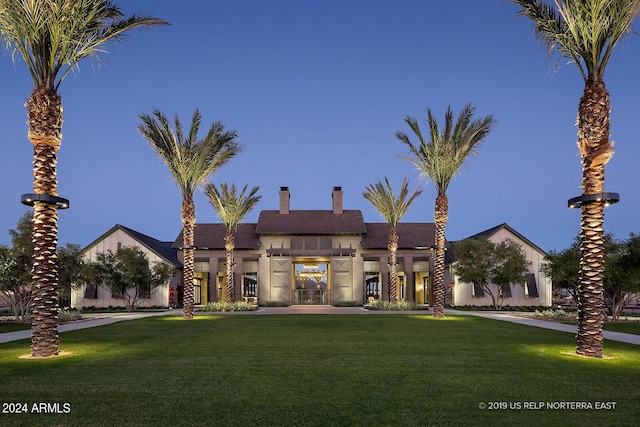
x=319 y=370
x=626 y=327
x=11 y=326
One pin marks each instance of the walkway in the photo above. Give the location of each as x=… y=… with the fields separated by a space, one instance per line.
x=319 y=309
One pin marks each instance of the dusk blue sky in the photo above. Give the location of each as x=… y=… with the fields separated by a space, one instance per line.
x=316 y=90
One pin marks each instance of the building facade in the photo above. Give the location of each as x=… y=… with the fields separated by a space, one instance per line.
x=312 y=257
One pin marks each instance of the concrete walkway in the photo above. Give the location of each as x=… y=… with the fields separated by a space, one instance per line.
x=311 y=309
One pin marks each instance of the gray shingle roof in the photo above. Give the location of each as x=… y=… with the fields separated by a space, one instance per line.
x=410 y=235
x=212 y=236
x=316 y=222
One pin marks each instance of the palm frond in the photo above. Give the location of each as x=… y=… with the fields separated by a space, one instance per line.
x=189 y=159
x=391 y=208
x=585 y=31
x=230 y=206
x=53 y=36
x=442 y=157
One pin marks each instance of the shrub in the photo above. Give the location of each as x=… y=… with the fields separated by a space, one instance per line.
x=274 y=304
x=401 y=305
x=228 y=306
x=345 y=304
x=557 y=314
x=68 y=314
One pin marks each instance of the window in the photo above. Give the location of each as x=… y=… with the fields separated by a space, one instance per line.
x=505 y=291
x=477 y=291
x=250 y=285
x=372 y=286
x=91 y=292
x=530 y=287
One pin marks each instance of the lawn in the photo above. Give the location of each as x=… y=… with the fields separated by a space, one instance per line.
x=319 y=370
x=631 y=327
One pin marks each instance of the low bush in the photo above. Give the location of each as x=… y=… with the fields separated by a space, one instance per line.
x=228 y=306
x=345 y=304
x=68 y=314
x=274 y=304
x=557 y=314
x=401 y=305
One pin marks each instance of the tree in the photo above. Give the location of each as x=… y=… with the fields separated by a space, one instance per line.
x=563 y=267
x=622 y=274
x=231 y=208
x=439 y=159
x=392 y=210
x=16 y=264
x=491 y=267
x=52 y=37
x=190 y=160
x=127 y=274
x=586 y=32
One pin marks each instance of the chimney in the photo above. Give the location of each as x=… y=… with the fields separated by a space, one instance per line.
x=336 y=195
x=284 y=200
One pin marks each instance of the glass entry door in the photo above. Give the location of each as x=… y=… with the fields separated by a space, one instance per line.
x=310 y=283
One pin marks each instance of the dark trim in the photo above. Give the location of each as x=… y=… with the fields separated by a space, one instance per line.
x=31 y=199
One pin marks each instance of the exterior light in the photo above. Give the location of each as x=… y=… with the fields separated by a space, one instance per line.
x=605 y=198
x=31 y=199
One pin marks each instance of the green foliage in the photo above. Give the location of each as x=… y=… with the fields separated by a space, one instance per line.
x=400 y=305
x=345 y=304
x=274 y=304
x=128 y=274
x=69 y=314
x=228 y=306
x=230 y=206
x=54 y=36
x=391 y=208
x=490 y=266
x=557 y=314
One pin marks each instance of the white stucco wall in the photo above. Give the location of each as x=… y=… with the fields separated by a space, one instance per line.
x=111 y=243
x=463 y=292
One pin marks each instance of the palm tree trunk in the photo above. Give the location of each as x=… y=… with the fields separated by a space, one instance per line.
x=188 y=224
x=44 y=110
x=229 y=246
x=393 y=267
x=441 y=215
x=595 y=151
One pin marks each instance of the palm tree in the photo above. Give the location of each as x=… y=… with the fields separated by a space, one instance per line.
x=190 y=161
x=439 y=159
x=231 y=208
x=52 y=37
x=392 y=210
x=586 y=32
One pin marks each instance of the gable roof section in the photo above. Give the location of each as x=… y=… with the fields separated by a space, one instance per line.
x=211 y=236
x=163 y=249
x=308 y=222
x=411 y=235
x=493 y=230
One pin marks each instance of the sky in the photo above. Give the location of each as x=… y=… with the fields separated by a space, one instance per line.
x=316 y=90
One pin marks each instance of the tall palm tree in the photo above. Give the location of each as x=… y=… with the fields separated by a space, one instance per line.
x=231 y=208
x=392 y=210
x=52 y=37
x=439 y=159
x=586 y=32
x=190 y=160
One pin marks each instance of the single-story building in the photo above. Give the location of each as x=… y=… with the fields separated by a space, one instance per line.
x=535 y=292
x=93 y=295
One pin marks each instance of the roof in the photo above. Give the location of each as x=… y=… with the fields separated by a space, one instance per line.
x=449 y=258
x=493 y=230
x=411 y=235
x=211 y=236
x=163 y=249
x=316 y=222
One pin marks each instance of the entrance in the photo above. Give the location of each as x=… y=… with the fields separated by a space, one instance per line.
x=310 y=282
